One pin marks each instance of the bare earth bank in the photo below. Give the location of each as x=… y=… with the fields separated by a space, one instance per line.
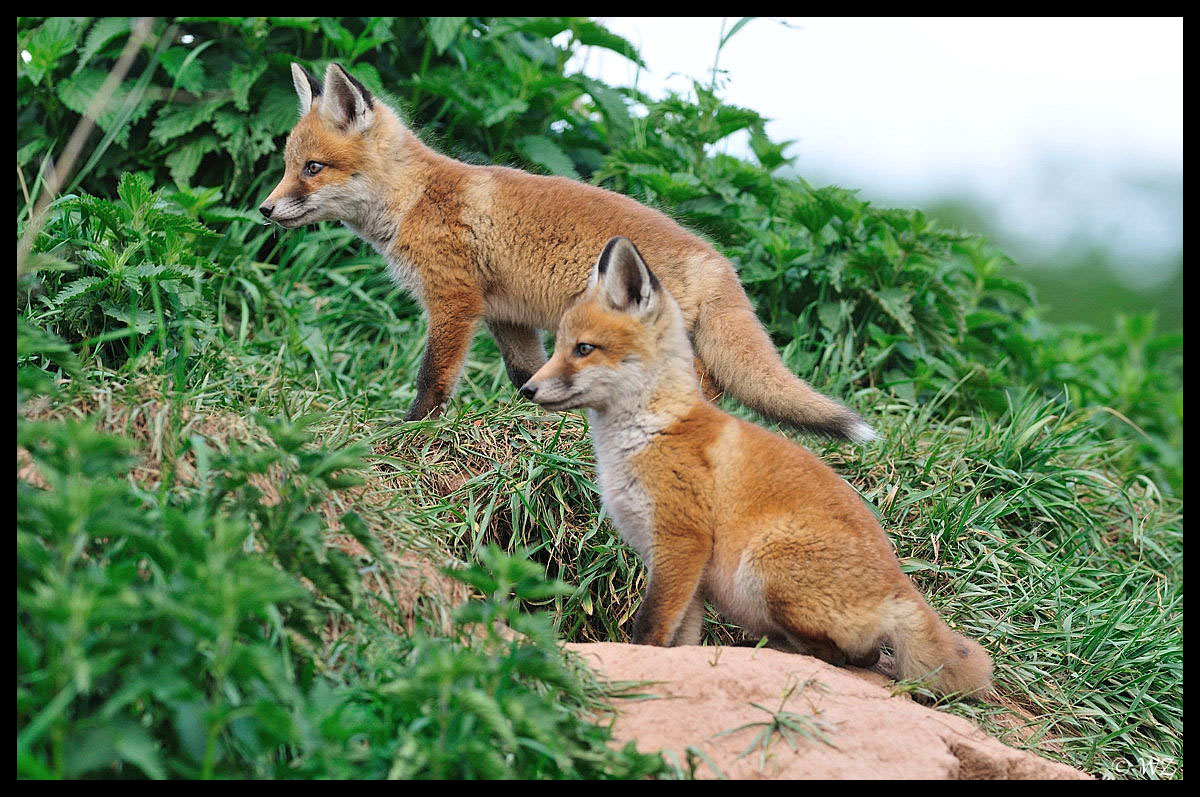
x=708 y=691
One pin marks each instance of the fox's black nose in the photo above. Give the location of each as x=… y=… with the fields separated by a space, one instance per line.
x=266 y=210
x=529 y=390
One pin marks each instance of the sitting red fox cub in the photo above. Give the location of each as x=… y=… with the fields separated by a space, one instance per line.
x=721 y=509
x=513 y=249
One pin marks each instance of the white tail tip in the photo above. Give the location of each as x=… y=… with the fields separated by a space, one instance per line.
x=860 y=432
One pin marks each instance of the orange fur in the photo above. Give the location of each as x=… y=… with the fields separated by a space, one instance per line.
x=514 y=249
x=724 y=510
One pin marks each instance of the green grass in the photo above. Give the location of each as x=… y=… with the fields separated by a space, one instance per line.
x=1018 y=530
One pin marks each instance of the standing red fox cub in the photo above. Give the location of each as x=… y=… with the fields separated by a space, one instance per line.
x=724 y=510
x=513 y=249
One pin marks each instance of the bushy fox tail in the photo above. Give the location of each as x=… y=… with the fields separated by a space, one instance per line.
x=738 y=354
x=927 y=650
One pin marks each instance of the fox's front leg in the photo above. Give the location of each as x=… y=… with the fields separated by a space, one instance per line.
x=690 y=626
x=452 y=322
x=675 y=575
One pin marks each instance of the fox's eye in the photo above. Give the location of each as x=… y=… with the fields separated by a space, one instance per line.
x=312 y=167
x=584 y=349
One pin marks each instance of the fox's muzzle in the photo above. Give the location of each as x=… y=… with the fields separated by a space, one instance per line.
x=552 y=394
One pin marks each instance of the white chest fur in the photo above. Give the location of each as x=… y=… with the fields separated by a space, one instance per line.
x=404 y=274
x=618 y=442
x=380 y=229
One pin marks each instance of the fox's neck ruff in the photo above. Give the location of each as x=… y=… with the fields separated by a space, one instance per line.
x=371 y=222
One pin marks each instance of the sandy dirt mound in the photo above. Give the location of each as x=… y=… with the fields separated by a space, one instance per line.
x=707 y=691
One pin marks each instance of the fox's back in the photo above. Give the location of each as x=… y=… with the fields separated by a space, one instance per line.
x=749 y=483
x=537 y=238
x=763 y=473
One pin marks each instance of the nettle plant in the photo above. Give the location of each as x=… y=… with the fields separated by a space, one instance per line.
x=135 y=267
x=209 y=99
x=184 y=632
x=152 y=639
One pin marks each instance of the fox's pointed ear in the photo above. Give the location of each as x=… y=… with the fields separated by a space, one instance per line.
x=346 y=102
x=629 y=284
x=306 y=85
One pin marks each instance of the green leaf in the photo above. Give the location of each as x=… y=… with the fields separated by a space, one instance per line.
x=33 y=340
x=443 y=31
x=182 y=65
x=189 y=724
x=135 y=746
x=134 y=191
x=337 y=35
x=306 y=23
x=56 y=37
x=175 y=120
x=185 y=159
x=833 y=314
x=25 y=153
x=223 y=213
x=594 y=34
x=612 y=105
x=90 y=750
x=741 y=23
x=279 y=109
x=769 y=154
x=77 y=288
x=897 y=303
x=241 y=79
x=545 y=153
x=141 y=321
x=512 y=107
x=78 y=91
x=105 y=30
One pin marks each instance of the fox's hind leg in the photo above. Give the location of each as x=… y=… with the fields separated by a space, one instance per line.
x=818 y=647
x=866 y=660
x=827 y=650
x=819 y=625
x=521 y=348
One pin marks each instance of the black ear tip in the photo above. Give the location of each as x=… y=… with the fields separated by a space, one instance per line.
x=632 y=246
x=628 y=249
x=313 y=84
x=620 y=242
x=638 y=259
x=366 y=95
x=607 y=253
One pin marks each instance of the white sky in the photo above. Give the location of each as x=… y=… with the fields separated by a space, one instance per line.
x=1042 y=118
